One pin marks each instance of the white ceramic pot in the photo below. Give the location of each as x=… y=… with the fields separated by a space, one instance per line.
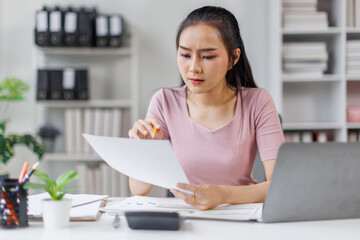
x=56 y=214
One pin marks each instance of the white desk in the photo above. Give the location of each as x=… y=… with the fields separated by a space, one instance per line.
x=192 y=230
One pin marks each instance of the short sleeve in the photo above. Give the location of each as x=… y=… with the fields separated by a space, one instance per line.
x=156 y=109
x=269 y=134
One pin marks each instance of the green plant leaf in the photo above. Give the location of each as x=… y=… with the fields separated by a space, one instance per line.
x=65 y=178
x=29 y=185
x=59 y=196
x=44 y=177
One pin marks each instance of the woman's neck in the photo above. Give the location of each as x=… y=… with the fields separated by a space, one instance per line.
x=217 y=96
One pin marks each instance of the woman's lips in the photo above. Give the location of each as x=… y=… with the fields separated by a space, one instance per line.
x=195 y=81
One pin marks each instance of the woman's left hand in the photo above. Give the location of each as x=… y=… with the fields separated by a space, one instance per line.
x=206 y=196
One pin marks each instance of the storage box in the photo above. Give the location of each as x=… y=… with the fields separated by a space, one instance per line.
x=353 y=114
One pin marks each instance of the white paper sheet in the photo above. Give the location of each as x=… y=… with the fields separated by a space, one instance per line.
x=151 y=161
x=240 y=212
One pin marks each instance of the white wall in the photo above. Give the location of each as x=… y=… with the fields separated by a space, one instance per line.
x=156 y=22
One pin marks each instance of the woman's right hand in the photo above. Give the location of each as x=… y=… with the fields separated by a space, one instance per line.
x=144 y=129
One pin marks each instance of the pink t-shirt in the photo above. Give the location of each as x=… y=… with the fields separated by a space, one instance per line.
x=225 y=155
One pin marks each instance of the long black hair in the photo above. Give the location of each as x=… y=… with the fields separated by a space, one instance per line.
x=240 y=75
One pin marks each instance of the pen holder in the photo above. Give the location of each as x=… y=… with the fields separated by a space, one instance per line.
x=13 y=204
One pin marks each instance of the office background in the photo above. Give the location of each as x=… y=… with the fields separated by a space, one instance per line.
x=308 y=63
x=156 y=24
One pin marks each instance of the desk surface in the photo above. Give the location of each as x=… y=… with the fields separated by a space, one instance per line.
x=192 y=229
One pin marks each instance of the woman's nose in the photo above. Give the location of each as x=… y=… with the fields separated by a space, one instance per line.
x=195 y=66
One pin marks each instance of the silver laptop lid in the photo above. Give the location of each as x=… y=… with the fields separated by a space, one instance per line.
x=314 y=182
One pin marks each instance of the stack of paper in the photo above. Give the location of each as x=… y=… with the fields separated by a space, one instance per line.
x=305 y=59
x=303 y=14
x=241 y=212
x=353 y=57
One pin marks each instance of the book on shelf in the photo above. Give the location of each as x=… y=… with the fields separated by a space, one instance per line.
x=304 y=66
x=115 y=179
x=303 y=74
x=352 y=44
x=350 y=13
x=353 y=136
x=124 y=186
x=117 y=122
x=307 y=137
x=78 y=130
x=69 y=130
x=81 y=168
x=353 y=72
x=98 y=179
x=106 y=178
x=108 y=122
x=357 y=13
x=88 y=114
x=98 y=121
x=307 y=46
x=300 y=4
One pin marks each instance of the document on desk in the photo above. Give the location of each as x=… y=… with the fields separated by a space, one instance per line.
x=84 y=207
x=240 y=212
x=151 y=161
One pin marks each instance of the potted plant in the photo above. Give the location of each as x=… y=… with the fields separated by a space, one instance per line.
x=56 y=210
x=48 y=135
x=8 y=142
x=11 y=90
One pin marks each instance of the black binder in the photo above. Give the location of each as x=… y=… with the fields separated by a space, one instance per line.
x=68 y=83
x=42 y=85
x=86 y=27
x=71 y=27
x=56 y=23
x=102 y=30
x=42 y=27
x=82 y=84
x=56 y=88
x=116 y=30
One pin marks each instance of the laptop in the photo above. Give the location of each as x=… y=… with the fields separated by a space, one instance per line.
x=317 y=181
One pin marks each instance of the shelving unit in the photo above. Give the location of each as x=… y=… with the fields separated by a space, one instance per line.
x=113 y=83
x=113 y=87
x=315 y=103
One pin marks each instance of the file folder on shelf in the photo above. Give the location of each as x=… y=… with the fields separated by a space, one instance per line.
x=56 y=18
x=70 y=28
x=42 y=85
x=68 y=83
x=82 y=84
x=102 y=31
x=42 y=28
x=86 y=27
x=116 y=29
x=56 y=88
x=62 y=84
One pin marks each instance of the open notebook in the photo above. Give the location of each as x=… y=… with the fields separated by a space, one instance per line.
x=85 y=207
x=242 y=212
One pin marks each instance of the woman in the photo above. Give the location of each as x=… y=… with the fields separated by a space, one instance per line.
x=218 y=119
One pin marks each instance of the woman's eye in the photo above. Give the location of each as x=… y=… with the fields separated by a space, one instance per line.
x=208 y=57
x=185 y=55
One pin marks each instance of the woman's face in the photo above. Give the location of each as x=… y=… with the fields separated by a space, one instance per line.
x=202 y=58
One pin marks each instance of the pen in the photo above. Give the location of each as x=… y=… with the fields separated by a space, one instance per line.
x=27 y=176
x=116 y=221
x=154 y=130
x=23 y=171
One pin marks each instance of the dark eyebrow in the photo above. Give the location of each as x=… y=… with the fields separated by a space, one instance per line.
x=202 y=50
